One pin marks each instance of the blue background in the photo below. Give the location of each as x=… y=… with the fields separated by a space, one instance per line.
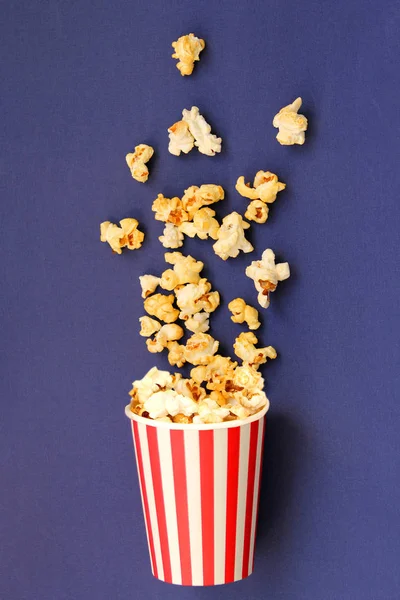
x=85 y=81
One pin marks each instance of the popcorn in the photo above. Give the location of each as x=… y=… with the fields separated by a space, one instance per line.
x=176 y=354
x=167 y=333
x=153 y=381
x=126 y=236
x=248 y=378
x=291 y=125
x=195 y=197
x=189 y=388
x=169 y=210
x=257 y=211
x=266 y=274
x=193 y=298
x=253 y=402
x=161 y=306
x=203 y=225
x=172 y=237
x=149 y=284
x=242 y=312
x=231 y=237
x=218 y=367
x=187 y=50
x=186 y=270
x=168 y=402
x=198 y=323
x=210 y=412
x=136 y=162
x=148 y=326
x=180 y=138
x=266 y=187
x=245 y=349
x=205 y=141
x=199 y=348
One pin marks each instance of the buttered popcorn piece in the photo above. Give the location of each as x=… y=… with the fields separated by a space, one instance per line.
x=187 y=51
x=209 y=411
x=198 y=323
x=200 y=348
x=137 y=160
x=161 y=306
x=245 y=349
x=257 y=211
x=203 y=225
x=218 y=368
x=291 y=125
x=266 y=275
x=206 y=142
x=152 y=382
x=196 y=197
x=149 y=284
x=168 y=402
x=169 y=210
x=195 y=297
x=180 y=138
x=172 y=237
x=266 y=187
x=168 y=333
x=125 y=236
x=231 y=237
x=176 y=354
x=186 y=270
x=242 y=312
x=148 y=326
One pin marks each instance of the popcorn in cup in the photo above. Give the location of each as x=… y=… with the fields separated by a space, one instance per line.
x=200 y=486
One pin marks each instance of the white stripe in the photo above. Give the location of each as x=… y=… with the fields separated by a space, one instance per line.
x=220 y=483
x=141 y=495
x=167 y=476
x=150 y=497
x=192 y=460
x=242 y=494
x=261 y=425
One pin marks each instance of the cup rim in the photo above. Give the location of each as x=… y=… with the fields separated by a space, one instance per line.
x=196 y=426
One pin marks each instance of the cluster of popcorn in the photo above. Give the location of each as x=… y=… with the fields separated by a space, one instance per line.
x=126 y=236
x=264 y=191
x=193 y=130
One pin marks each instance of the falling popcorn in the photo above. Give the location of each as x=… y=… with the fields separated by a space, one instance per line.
x=242 y=312
x=168 y=333
x=148 y=326
x=171 y=237
x=245 y=349
x=180 y=138
x=291 y=125
x=266 y=275
x=257 y=211
x=169 y=210
x=149 y=284
x=186 y=270
x=187 y=50
x=206 y=142
x=136 y=162
x=195 y=197
x=200 y=348
x=265 y=187
x=126 y=236
x=203 y=225
x=231 y=237
x=162 y=307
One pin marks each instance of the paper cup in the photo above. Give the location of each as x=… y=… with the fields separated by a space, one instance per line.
x=200 y=488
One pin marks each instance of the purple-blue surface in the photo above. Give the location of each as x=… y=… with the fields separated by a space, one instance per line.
x=83 y=82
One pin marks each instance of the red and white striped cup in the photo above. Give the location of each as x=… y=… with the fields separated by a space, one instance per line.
x=200 y=488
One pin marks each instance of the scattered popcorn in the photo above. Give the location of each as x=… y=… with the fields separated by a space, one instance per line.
x=187 y=50
x=206 y=142
x=169 y=210
x=210 y=412
x=266 y=187
x=247 y=378
x=218 y=367
x=176 y=354
x=172 y=237
x=136 y=162
x=242 y=312
x=126 y=236
x=186 y=270
x=291 y=125
x=195 y=297
x=266 y=274
x=245 y=349
x=148 y=326
x=149 y=284
x=257 y=211
x=161 y=306
x=195 y=197
x=199 y=348
x=180 y=138
x=167 y=333
x=231 y=237
x=198 y=323
x=203 y=225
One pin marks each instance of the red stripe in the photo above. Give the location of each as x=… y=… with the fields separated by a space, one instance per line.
x=232 y=501
x=206 y=441
x=262 y=428
x=250 y=496
x=182 y=514
x=144 y=494
x=159 y=500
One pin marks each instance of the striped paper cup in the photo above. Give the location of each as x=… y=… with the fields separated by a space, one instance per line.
x=200 y=488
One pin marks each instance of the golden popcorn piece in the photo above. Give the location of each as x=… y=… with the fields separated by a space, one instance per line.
x=242 y=312
x=248 y=379
x=217 y=368
x=266 y=187
x=196 y=197
x=199 y=348
x=231 y=237
x=161 y=306
x=176 y=354
x=187 y=51
x=181 y=418
x=244 y=348
x=198 y=323
x=137 y=160
x=180 y=138
x=257 y=211
x=205 y=141
x=291 y=125
x=168 y=333
x=203 y=225
x=266 y=275
x=149 y=284
x=172 y=237
x=192 y=298
x=148 y=326
x=190 y=389
x=186 y=270
x=126 y=236
x=210 y=411
x=169 y=210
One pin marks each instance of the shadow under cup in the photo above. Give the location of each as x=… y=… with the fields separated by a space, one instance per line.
x=200 y=488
